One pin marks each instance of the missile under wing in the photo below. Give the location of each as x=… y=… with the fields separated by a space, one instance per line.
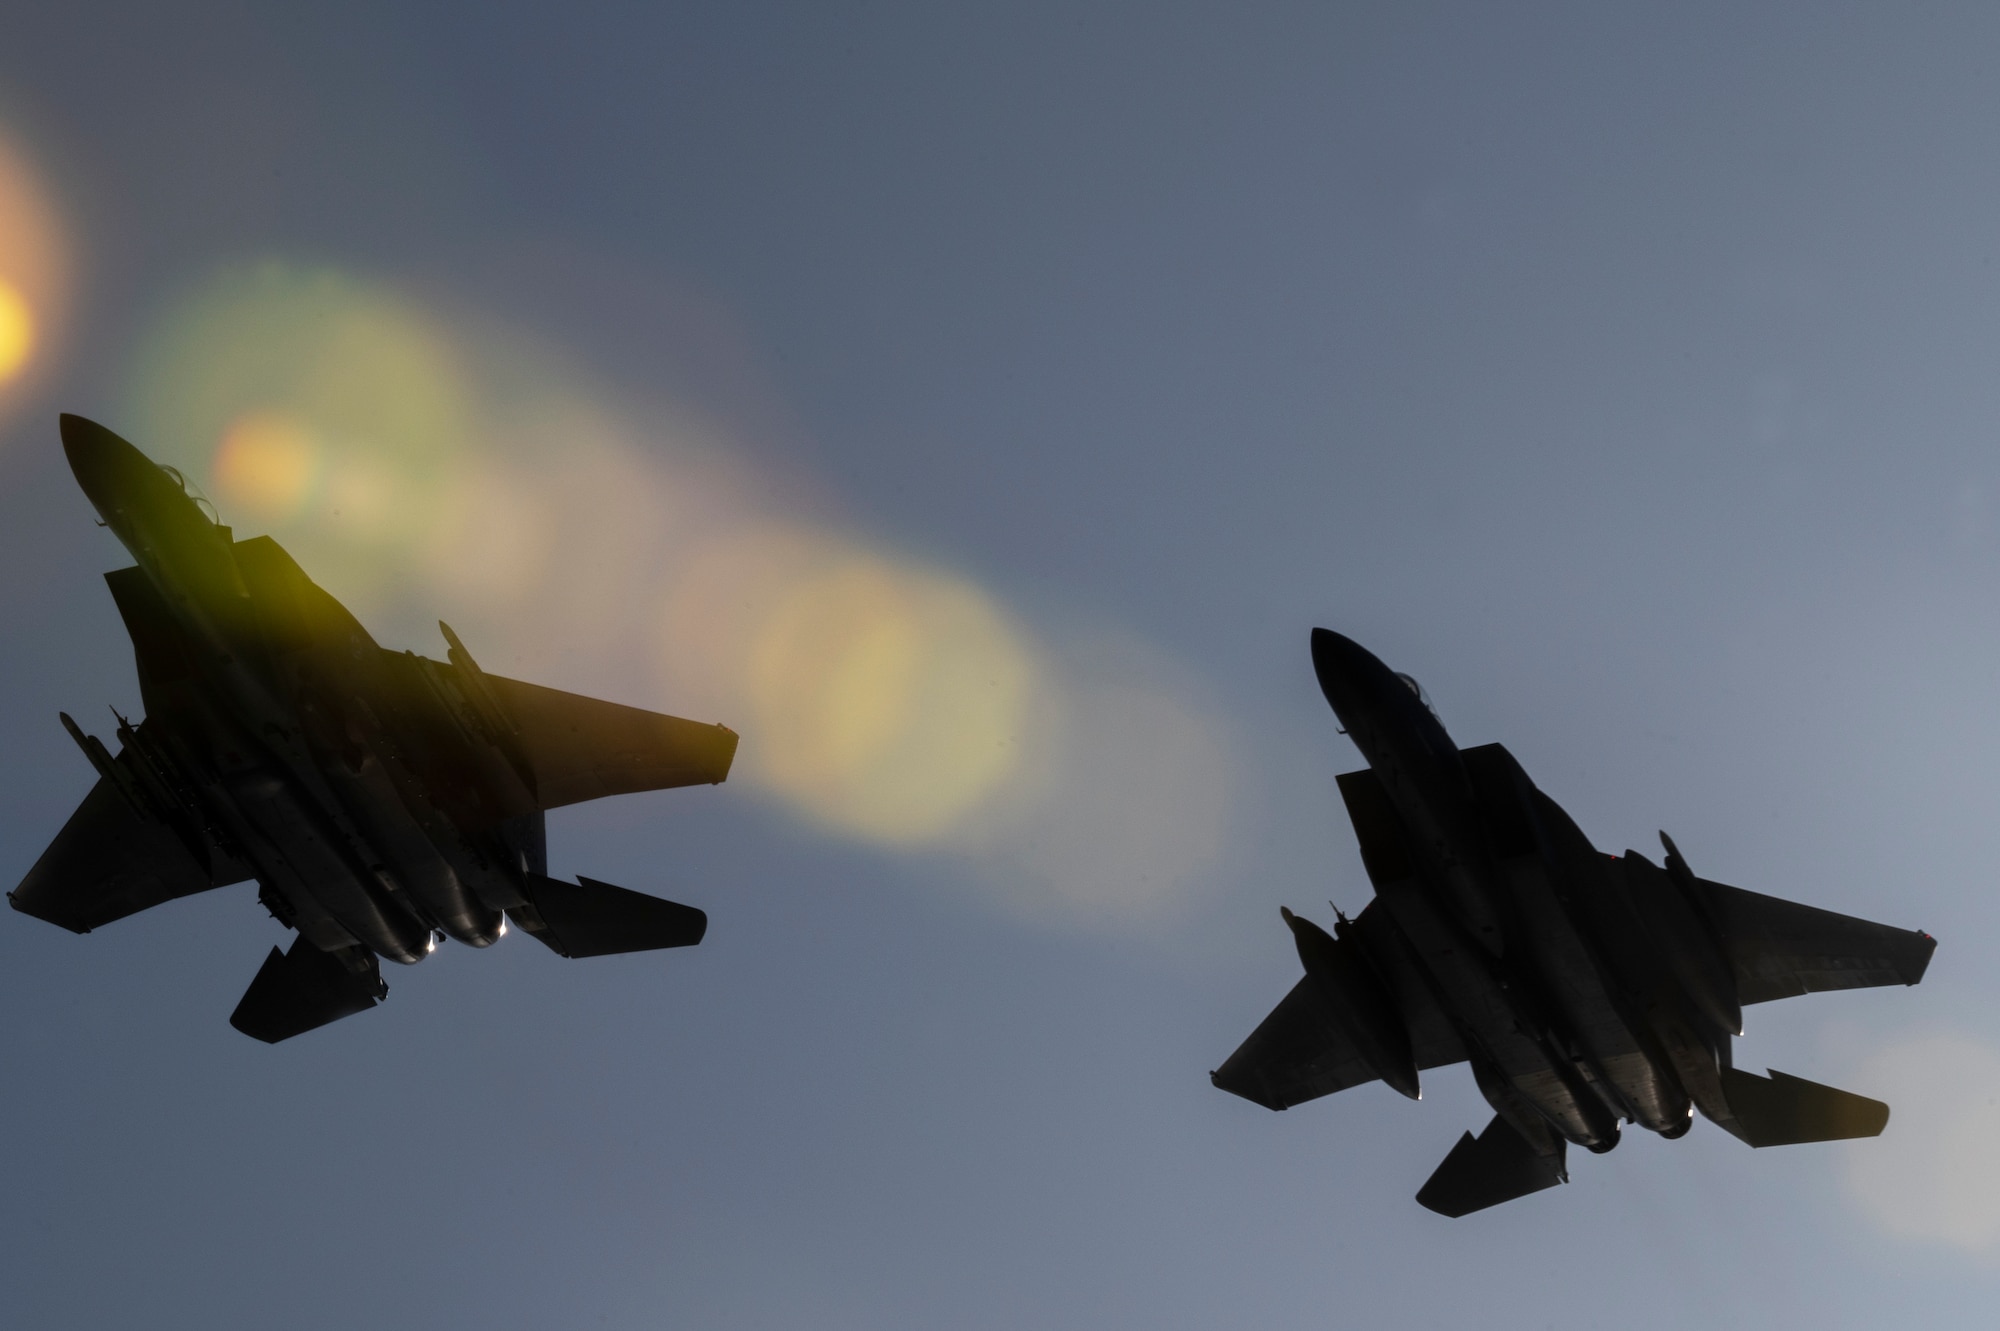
x=380 y=800
x=1585 y=990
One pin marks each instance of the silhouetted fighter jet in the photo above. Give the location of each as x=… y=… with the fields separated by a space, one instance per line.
x=379 y=799
x=1584 y=989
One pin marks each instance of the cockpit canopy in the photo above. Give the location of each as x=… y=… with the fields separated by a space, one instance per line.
x=193 y=492
x=1418 y=689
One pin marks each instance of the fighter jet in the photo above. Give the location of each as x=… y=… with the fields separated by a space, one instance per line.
x=381 y=801
x=1586 y=990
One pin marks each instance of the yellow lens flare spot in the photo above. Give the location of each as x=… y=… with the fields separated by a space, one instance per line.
x=886 y=701
x=332 y=409
x=492 y=538
x=17 y=330
x=267 y=463
x=34 y=276
x=367 y=499
x=414 y=462
x=721 y=595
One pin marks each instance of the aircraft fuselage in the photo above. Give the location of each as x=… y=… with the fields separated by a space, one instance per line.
x=302 y=744
x=1573 y=1014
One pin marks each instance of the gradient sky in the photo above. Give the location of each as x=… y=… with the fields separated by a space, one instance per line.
x=1631 y=378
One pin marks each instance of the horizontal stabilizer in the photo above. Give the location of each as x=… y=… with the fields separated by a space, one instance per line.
x=301 y=989
x=1496 y=1166
x=1784 y=1110
x=592 y=919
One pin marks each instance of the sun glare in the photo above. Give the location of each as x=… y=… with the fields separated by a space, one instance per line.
x=418 y=466
x=891 y=701
x=266 y=463
x=332 y=411
x=34 y=274
x=17 y=330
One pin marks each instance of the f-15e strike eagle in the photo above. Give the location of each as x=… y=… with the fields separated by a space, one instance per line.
x=379 y=799
x=1584 y=989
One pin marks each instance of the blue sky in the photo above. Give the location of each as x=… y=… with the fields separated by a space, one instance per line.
x=975 y=408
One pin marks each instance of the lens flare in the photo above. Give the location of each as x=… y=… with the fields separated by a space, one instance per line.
x=493 y=539
x=17 y=330
x=891 y=701
x=719 y=599
x=267 y=463
x=1123 y=798
x=419 y=464
x=1934 y=1176
x=333 y=410
x=34 y=275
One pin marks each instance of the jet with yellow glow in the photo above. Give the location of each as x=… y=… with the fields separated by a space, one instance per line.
x=380 y=800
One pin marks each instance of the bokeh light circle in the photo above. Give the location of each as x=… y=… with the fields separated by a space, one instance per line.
x=331 y=411
x=891 y=700
x=17 y=330
x=267 y=462
x=34 y=276
x=420 y=465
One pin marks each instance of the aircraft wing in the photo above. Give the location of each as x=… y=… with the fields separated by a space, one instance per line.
x=113 y=858
x=1780 y=949
x=1298 y=1053
x=1433 y=1039
x=584 y=749
x=1302 y=1050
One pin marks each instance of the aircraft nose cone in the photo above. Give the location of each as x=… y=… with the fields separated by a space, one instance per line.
x=1341 y=664
x=1332 y=652
x=82 y=436
x=104 y=464
x=85 y=441
x=1356 y=683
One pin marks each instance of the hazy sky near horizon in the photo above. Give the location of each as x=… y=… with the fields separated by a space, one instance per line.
x=975 y=408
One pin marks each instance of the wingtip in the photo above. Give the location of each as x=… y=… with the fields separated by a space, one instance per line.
x=1914 y=974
